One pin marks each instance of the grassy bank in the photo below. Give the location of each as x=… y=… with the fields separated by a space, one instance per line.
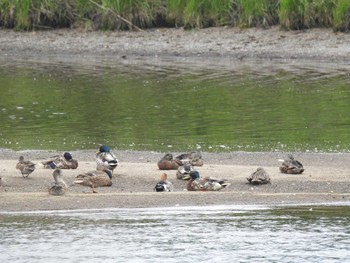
x=131 y=14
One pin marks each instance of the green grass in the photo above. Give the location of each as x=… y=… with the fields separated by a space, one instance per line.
x=131 y=14
x=341 y=14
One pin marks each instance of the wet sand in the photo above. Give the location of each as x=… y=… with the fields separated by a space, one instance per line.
x=326 y=180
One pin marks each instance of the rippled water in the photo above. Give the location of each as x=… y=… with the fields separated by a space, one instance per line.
x=249 y=106
x=178 y=234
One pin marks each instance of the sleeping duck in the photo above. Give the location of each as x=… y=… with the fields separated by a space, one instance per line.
x=64 y=161
x=194 y=158
x=183 y=172
x=197 y=183
x=58 y=187
x=105 y=158
x=164 y=185
x=291 y=166
x=98 y=178
x=26 y=167
x=260 y=176
x=168 y=162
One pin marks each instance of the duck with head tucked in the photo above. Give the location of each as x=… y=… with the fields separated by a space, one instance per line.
x=58 y=187
x=197 y=183
x=260 y=176
x=105 y=158
x=26 y=167
x=98 y=178
x=168 y=162
x=291 y=166
x=183 y=172
x=164 y=185
x=193 y=158
x=64 y=161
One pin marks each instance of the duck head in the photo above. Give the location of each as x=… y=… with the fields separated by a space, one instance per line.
x=67 y=156
x=104 y=149
x=194 y=175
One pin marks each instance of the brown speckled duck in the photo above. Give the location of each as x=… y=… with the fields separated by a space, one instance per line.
x=64 y=161
x=98 y=178
x=58 y=187
x=168 y=162
x=260 y=176
x=291 y=166
x=197 y=183
x=26 y=167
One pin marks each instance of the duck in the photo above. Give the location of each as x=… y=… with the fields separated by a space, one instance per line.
x=98 y=178
x=183 y=172
x=197 y=183
x=291 y=166
x=26 y=167
x=64 y=161
x=168 y=162
x=106 y=158
x=260 y=176
x=164 y=185
x=58 y=187
x=194 y=158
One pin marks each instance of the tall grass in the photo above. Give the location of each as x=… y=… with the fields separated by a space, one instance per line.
x=341 y=16
x=130 y=14
x=257 y=12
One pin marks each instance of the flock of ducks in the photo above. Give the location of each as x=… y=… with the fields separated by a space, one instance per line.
x=185 y=164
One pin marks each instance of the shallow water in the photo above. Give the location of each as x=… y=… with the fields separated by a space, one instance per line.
x=178 y=234
x=250 y=106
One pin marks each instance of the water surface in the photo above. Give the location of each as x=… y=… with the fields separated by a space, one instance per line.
x=250 y=106
x=178 y=234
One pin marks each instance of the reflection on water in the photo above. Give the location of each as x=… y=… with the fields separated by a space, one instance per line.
x=64 y=106
x=178 y=234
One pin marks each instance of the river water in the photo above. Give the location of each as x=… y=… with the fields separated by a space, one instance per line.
x=174 y=104
x=179 y=234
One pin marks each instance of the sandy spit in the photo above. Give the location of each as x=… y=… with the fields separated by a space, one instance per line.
x=325 y=180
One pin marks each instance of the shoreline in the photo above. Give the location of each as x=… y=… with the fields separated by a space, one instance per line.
x=217 y=43
x=325 y=181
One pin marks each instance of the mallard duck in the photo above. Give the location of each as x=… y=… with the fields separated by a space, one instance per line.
x=291 y=166
x=168 y=162
x=183 y=172
x=197 y=183
x=58 y=187
x=26 y=167
x=164 y=185
x=106 y=158
x=98 y=178
x=64 y=161
x=194 y=158
x=260 y=176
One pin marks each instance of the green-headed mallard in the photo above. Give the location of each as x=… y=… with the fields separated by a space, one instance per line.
x=26 y=167
x=64 y=161
x=106 y=158
x=194 y=158
x=98 y=178
x=164 y=185
x=291 y=166
x=168 y=162
x=260 y=176
x=197 y=183
x=58 y=187
x=183 y=172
